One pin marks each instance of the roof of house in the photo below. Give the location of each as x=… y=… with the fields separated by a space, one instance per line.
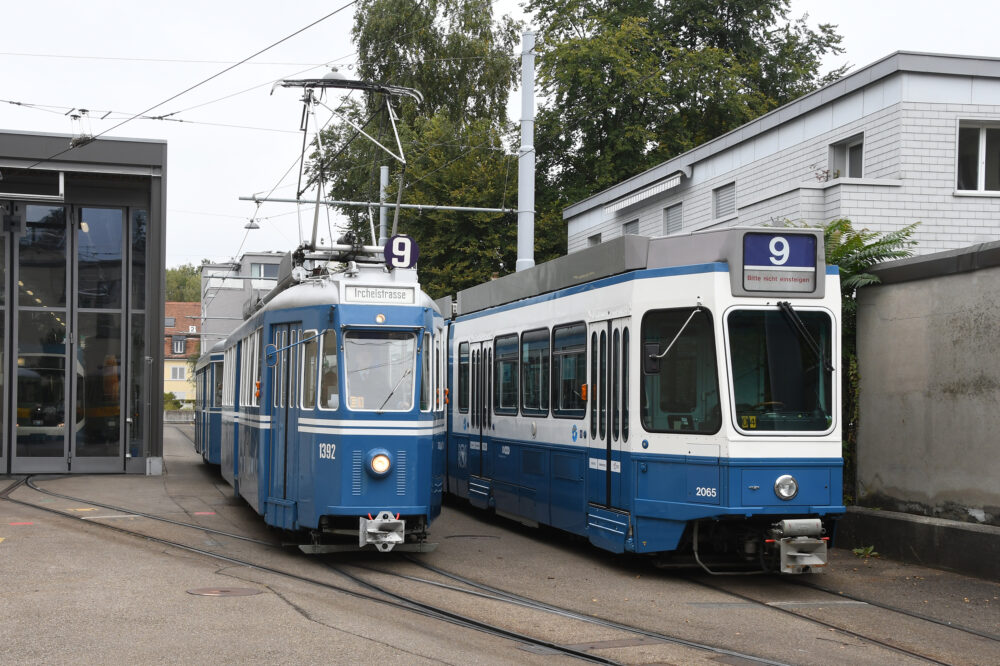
x=900 y=61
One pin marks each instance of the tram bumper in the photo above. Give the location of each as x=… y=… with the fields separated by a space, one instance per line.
x=801 y=545
x=384 y=531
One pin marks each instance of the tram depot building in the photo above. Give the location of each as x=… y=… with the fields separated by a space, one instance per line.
x=82 y=260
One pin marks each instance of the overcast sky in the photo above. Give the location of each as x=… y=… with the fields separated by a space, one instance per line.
x=238 y=139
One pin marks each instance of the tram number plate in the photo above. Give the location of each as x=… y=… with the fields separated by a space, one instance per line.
x=779 y=262
x=328 y=451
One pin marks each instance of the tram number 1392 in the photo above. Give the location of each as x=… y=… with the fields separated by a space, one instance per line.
x=327 y=450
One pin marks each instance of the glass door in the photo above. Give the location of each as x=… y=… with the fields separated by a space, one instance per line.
x=5 y=209
x=41 y=341
x=96 y=440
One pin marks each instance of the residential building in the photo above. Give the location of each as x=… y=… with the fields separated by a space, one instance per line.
x=229 y=290
x=913 y=137
x=181 y=342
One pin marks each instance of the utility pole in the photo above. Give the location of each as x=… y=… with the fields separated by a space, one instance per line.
x=526 y=158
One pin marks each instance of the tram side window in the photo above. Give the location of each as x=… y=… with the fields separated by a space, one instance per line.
x=535 y=372
x=309 y=369
x=425 y=373
x=329 y=384
x=680 y=389
x=569 y=370
x=505 y=375
x=217 y=375
x=463 y=377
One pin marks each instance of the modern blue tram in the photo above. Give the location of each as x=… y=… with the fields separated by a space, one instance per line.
x=677 y=397
x=332 y=402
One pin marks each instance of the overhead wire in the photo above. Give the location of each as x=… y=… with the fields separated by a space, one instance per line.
x=204 y=81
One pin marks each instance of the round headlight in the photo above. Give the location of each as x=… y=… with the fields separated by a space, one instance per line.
x=786 y=487
x=380 y=463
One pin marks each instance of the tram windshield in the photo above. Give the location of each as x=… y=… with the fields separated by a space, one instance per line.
x=780 y=381
x=380 y=369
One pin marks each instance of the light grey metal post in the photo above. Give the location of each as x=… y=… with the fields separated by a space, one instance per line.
x=526 y=158
x=382 y=196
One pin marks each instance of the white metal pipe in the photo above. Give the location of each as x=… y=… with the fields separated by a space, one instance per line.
x=526 y=158
x=420 y=207
x=383 y=194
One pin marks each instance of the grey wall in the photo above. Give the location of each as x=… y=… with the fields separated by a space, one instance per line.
x=928 y=343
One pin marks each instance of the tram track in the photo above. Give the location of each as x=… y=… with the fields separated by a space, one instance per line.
x=380 y=594
x=490 y=592
x=840 y=628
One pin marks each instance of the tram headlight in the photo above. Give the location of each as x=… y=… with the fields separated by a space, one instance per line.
x=379 y=462
x=786 y=487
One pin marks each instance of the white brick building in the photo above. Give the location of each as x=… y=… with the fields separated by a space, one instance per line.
x=911 y=138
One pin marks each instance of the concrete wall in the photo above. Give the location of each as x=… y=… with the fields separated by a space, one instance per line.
x=928 y=343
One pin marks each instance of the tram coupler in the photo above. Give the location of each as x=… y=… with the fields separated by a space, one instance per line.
x=802 y=547
x=384 y=531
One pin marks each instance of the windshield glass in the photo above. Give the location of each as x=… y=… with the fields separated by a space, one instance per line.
x=380 y=370
x=779 y=382
x=680 y=391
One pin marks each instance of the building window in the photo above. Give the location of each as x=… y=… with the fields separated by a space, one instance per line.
x=979 y=158
x=594 y=240
x=724 y=201
x=179 y=345
x=264 y=270
x=672 y=219
x=169 y=322
x=631 y=228
x=178 y=372
x=847 y=158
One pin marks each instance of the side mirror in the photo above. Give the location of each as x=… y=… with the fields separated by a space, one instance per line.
x=651 y=358
x=270 y=356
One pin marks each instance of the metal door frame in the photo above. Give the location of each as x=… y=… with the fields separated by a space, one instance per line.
x=604 y=488
x=114 y=463
x=48 y=464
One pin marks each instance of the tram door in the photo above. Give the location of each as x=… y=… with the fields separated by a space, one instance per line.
x=608 y=415
x=480 y=463
x=284 y=425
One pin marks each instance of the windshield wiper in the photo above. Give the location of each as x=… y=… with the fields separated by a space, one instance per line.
x=393 y=391
x=800 y=328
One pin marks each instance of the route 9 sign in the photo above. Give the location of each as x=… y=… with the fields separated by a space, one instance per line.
x=401 y=252
x=779 y=262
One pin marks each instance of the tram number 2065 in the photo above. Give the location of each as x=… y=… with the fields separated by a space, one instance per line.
x=328 y=451
x=702 y=491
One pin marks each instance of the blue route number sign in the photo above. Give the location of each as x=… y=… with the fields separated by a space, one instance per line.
x=779 y=262
x=401 y=251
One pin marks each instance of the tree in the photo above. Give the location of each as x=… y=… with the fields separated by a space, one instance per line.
x=458 y=143
x=632 y=83
x=183 y=284
x=855 y=252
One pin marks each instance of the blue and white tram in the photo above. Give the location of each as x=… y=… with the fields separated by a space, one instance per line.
x=333 y=404
x=677 y=397
x=208 y=405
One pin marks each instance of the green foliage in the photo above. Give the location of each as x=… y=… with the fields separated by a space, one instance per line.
x=632 y=83
x=170 y=401
x=183 y=284
x=457 y=144
x=864 y=552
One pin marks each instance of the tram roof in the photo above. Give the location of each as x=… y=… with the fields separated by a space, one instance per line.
x=620 y=255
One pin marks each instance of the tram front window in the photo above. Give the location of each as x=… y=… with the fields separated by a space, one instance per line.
x=780 y=382
x=380 y=369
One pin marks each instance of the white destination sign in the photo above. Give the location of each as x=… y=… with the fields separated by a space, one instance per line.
x=379 y=295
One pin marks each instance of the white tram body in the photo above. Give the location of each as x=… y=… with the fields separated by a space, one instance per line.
x=671 y=396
